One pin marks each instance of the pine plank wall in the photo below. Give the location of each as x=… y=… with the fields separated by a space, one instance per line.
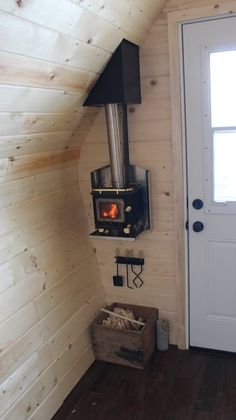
x=150 y=148
x=50 y=287
x=52 y=277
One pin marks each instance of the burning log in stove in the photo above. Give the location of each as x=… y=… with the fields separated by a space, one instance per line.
x=109 y=210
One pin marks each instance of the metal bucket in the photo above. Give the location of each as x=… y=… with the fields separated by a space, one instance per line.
x=162 y=334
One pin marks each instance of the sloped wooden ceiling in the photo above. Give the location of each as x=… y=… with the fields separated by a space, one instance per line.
x=51 y=53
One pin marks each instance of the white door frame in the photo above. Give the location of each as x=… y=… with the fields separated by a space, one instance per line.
x=175 y=22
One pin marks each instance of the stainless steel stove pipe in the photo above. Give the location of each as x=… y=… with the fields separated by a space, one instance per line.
x=114 y=119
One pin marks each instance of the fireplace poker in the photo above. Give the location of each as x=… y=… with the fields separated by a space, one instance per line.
x=127 y=268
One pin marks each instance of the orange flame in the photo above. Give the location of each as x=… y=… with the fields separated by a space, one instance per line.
x=111 y=211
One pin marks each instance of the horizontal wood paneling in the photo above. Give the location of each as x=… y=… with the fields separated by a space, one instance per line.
x=138 y=131
x=52 y=377
x=60 y=50
x=24 y=99
x=14 y=386
x=50 y=289
x=23 y=71
x=49 y=45
x=17 y=145
x=48 y=273
x=16 y=191
x=21 y=167
x=19 y=123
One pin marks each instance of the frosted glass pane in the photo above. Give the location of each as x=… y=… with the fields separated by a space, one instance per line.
x=224 y=144
x=223 y=88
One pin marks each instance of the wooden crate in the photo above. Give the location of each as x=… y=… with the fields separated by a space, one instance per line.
x=126 y=347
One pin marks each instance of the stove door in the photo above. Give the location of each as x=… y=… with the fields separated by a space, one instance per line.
x=110 y=210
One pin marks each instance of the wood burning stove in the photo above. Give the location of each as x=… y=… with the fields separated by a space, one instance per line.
x=120 y=191
x=118 y=212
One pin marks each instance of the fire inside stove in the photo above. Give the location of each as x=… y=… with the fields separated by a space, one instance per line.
x=110 y=210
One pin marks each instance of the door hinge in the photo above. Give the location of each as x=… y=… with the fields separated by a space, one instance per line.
x=187 y=225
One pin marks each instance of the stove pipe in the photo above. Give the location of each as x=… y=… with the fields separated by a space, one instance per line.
x=115 y=131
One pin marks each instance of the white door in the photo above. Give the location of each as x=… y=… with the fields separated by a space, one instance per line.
x=209 y=50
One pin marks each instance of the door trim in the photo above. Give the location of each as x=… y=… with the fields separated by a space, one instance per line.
x=175 y=22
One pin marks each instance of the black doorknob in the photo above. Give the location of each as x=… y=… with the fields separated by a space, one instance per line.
x=198 y=226
x=197 y=204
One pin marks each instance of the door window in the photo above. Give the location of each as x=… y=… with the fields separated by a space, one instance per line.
x=223 y=88
x=224 y=164
x=222 y=73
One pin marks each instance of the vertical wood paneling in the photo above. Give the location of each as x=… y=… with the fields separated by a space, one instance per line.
x=150 y=134
x=151 y=148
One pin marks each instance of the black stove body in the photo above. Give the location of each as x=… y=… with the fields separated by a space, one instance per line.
x=120 y=212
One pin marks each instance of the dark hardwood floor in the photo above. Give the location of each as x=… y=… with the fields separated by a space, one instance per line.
x=176 y=385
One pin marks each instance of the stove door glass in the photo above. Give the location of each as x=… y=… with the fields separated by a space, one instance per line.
x=110 y=210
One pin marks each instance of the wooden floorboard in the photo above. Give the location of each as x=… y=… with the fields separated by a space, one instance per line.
x=176 y=385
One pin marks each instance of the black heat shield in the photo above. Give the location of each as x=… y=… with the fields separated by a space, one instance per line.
x=120 y=80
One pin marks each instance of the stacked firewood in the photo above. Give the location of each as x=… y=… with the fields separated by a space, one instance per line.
x=121 y=318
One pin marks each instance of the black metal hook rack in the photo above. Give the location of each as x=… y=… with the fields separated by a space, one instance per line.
x=129 y=262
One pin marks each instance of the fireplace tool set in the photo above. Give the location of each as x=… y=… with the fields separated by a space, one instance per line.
x=135 y=265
